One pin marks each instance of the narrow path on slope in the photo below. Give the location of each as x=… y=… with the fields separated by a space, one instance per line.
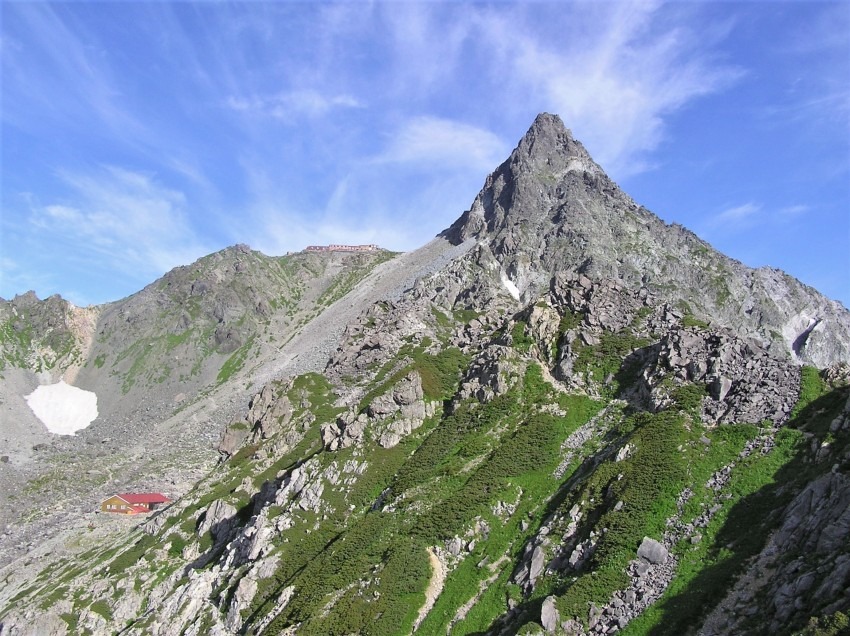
x=435 y=586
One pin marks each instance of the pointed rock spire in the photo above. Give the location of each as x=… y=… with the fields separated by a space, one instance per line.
x=550 y=144
x=528 y=183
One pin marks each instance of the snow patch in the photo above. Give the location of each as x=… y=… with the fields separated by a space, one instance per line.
x=62 y=408
x=577 y=164
x=796 y=330
x=509 y=285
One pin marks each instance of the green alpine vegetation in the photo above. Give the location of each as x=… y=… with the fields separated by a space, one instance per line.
x=449 y=517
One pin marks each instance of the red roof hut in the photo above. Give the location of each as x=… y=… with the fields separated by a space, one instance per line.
x=134 y=503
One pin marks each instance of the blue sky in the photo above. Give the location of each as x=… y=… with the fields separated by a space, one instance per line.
x=140 y=136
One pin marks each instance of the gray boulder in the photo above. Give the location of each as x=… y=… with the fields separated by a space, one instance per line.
x=653 y=551
x=549 y=616
x=218 y=519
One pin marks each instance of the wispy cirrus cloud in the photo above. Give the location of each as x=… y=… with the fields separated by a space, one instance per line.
x=614 y=74
x=425 y=43
x=281 y=124
x=292 y=105
x=382 y=199
x=746 y=216
x=443 y=144
x=61 y=57
x=122 y=219
x=817 y=102
x=737 y=215
x=277 y=233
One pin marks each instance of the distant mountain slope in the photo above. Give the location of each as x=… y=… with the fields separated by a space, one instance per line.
x=192 y=329
x=169 y=366
x=44 y=335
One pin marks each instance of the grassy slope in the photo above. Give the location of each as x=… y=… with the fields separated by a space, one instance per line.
x=361 y=564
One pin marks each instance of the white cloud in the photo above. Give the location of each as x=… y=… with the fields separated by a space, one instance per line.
x=751 y=215
x=399 y=199
x=291 y=105
x=439 y=78
x=425 y=44
x=123 y=219
x=61 y=58
x=613 y=76
x=442 y=143
x=63 y=214
x=276 y=232
x=737 y=215
x=812 y=66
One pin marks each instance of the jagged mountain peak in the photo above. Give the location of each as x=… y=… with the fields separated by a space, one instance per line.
x=550 y=208
x=548 y=122
x=550 y=145
x=526 y=185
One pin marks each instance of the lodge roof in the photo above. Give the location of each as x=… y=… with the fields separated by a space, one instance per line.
x=142 y=497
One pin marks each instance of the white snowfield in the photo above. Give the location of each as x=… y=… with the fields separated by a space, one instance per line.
x=62 y=408
x=513 y=290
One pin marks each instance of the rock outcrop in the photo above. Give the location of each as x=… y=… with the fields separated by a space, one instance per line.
x=388 y=418
x=743 y=382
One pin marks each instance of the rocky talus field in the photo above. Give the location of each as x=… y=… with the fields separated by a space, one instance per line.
x=560 y=416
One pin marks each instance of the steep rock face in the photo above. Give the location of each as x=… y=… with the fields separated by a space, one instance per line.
x=550 y=208
x=743 y=382
x=806 y=561
x=388 y=418
x=50 y=335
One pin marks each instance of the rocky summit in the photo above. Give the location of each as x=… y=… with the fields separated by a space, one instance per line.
x=560 y=416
